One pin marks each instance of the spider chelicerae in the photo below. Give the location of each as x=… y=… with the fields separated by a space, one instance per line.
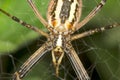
x=63 y=17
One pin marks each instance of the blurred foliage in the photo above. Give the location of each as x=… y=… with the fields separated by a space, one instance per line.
x=12 y=34
x=106 y=45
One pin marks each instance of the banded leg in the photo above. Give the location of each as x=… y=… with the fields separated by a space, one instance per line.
x=77 y=65
x=42 y=20
x=91 y=14
x=24 y=69
x=24 y=23
x=96 y=30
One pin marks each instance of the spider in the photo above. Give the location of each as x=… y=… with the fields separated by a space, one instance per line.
x=63 y=20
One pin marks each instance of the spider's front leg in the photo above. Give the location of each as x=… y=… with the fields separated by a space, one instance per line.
x=24 y=69
x=37 y=13
x=91 y=14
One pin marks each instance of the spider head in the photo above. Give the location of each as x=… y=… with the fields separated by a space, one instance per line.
x=57 y=55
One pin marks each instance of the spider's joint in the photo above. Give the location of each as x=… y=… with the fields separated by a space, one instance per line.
x=16 y=76
x=103 y=2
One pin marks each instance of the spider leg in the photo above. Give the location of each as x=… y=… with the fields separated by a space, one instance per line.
x=42 y=20
x=32 y=60
x=93 y=31
x=91 y=14
x=77 y=65
x=24 y=23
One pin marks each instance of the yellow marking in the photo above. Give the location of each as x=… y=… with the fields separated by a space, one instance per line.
x=69 y=26
x=54 y=23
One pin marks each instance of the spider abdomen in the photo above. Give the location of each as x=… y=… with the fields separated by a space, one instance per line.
x=64 y=14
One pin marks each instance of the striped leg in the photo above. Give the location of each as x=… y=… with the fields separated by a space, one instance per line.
x=42 y=20
x=24 y=23
x=96 y=30
x=25 y=68
x=77 y=65
x=91 y=14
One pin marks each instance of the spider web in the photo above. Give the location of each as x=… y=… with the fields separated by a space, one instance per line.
x=99 y=53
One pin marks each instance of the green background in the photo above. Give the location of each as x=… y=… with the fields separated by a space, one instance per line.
x=103 y=49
